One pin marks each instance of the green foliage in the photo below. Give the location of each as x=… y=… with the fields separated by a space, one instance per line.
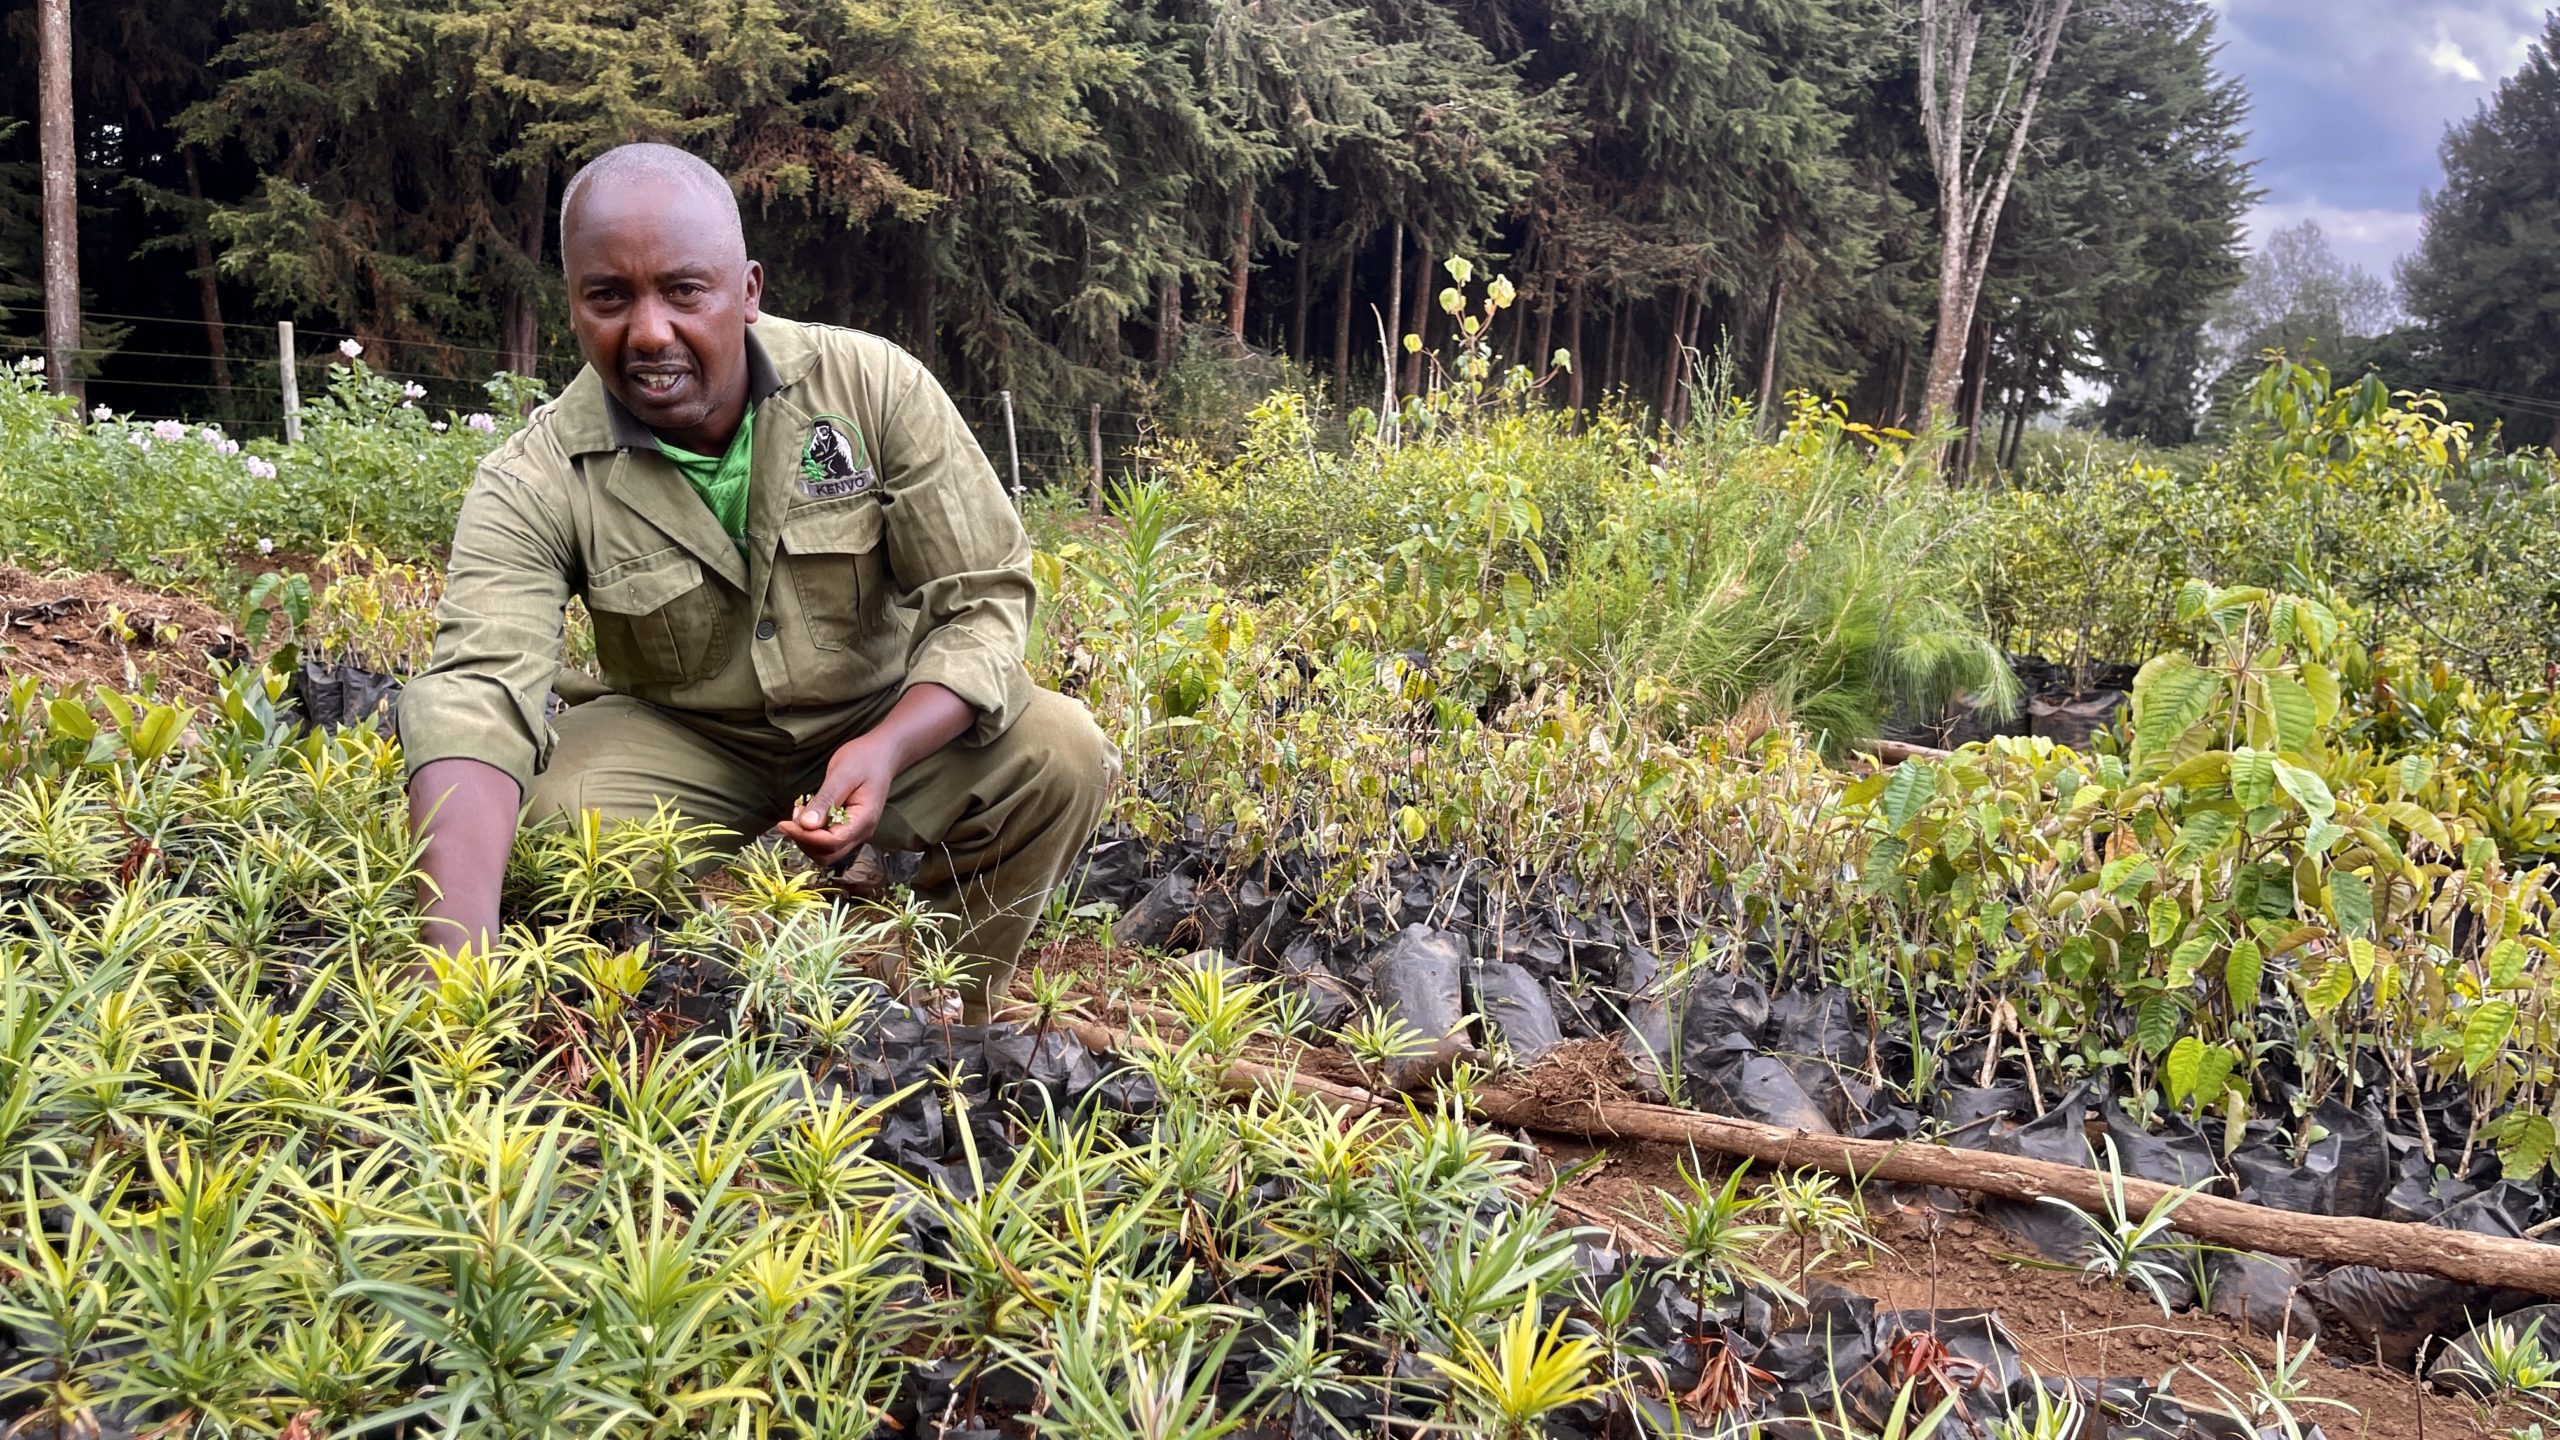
x=263 y=1176
x=2125 y=1249
x=2427 y=545
x=1818 y=581
x=172 y=503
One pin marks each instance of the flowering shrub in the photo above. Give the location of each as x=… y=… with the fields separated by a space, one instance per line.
x=166 y=502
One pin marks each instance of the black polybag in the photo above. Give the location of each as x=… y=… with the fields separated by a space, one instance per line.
x=2055 y=1137
x=1415 y=977
x=1514 y=1004
x=2402 y=1314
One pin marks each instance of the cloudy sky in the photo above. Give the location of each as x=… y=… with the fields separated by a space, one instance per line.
x=2348 y=99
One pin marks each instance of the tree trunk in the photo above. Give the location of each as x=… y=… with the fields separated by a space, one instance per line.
x=1168 y=320
x=1902 y=387
x=1684 y=397
x=1240 y=265
x=925 y=320
x=1395 y=314
x=1573 y=354
x=1676 y=341
x=1969 y=202
x=519 y=335
x=1612 y=353
x=1342 y=325
x=1546 y=329
x=60 y=159
x=2017 y=425
x=1765 y=406
x=1976 y=382
x=208 y=289
x=1298 y=292
x=1420 y=312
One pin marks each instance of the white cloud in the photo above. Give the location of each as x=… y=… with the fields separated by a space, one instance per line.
x=2448 y=58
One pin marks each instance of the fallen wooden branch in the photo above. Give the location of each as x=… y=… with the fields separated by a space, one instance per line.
x=2339 y=1240
x=1894 y=752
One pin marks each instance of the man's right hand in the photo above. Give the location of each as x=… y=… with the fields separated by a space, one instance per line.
x=465 y=810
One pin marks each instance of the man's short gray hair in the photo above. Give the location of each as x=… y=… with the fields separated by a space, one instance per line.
x=664 y=164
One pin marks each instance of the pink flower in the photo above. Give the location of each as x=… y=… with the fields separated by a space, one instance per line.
x=437 y=426
x=101 y=414
x=266 y=546
x=350 y=349
x=259 y=469
x=137 y=439
x=168 y=432
x=485 y=424
x=412 y=390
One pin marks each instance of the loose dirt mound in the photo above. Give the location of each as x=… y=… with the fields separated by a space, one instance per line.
x=85 y=630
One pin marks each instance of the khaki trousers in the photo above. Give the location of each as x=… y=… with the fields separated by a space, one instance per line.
x=999 y=824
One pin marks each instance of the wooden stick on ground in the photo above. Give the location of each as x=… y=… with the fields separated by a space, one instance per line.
x=2342 y=1240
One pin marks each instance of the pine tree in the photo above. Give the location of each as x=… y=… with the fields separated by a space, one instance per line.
x=2481 y=282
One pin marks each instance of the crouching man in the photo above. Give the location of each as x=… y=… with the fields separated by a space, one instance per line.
x=805 y=582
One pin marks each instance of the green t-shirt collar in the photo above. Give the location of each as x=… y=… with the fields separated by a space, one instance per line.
x=722 y=480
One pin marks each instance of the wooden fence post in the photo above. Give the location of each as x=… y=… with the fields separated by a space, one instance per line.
x=1093 y=491
x=292 y=388
x=1012 y=448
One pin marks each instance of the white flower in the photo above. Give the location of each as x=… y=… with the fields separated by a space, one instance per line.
x=411 y=389
x=437 y=426
x=137 y=439
x=230 y=447
x=259 y=469
x=168 y=432
x=101 y=414
x=350 y=349
x=481 y=422
x=210 y=436
x=32 y=364
x=266 y=546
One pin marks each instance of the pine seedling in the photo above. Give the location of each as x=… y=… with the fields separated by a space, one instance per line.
x=1507 y=1389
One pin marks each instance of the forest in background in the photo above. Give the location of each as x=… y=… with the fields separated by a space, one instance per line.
x=1147 y=204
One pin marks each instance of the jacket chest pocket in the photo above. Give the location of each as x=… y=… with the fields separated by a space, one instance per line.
x=832 y=559
x=658 y=622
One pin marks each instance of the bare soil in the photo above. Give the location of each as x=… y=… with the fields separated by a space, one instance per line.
x=81 y=631
x=1940 y=1260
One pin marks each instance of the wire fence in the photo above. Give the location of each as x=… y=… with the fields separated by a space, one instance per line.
x=163 y=371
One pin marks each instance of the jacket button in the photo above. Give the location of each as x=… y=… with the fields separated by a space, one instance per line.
x=764 y=629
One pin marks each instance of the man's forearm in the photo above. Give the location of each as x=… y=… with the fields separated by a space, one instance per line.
x=924 y=720
x=466 y=810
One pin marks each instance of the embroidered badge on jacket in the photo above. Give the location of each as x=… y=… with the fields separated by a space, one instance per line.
x=833 y=462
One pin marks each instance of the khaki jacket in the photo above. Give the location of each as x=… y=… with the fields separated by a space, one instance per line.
x=880 y=551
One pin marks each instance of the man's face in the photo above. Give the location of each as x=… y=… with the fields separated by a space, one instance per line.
x=661 y=304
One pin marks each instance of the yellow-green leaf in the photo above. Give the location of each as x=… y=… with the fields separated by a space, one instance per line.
x=2337 y=981
x=2322 y=683
x=2253 y=778
x=2350 y=902
x=2296 y=716
x=2241 y=971
x=2189 y=959
x=2485 y=1032
x=2506 y=964
x=2307 y=789
x=2178 y=1072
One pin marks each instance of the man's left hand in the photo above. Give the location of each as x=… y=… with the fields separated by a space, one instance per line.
x=832 y=824
x=926 y=718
